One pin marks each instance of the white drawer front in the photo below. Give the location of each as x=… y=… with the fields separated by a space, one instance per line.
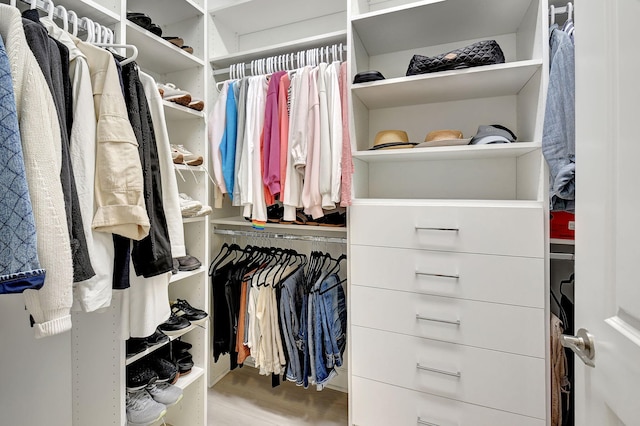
x=502 y=279
x=481 y=324
x=515 y=231
x=378 y=404
x=489 y=378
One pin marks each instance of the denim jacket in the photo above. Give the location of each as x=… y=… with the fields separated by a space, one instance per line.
x=19 y=265
x=558 y=138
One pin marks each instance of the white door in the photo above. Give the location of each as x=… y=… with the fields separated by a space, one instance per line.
x=608 y=209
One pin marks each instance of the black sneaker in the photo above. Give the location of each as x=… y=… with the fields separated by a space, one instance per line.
x=139 y=375
x=174 y=324
x=157 y=338
x=166 y=370
x=183 y=309
x=188 y=263
x=185 y=364
x=135 y=345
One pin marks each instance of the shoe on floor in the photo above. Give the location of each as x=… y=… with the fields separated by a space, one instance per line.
x=171 y=93
x=165 y=393
x=174 y=324
x=188 y=158
x=188 y=263
x=142 y=409
x=139 y=375
x=183 y=309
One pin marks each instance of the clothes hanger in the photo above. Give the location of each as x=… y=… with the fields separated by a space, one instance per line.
x=64 y=16
x=88 y=23
x=73 y=18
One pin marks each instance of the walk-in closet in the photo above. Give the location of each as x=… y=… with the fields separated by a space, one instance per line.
x=340 y=212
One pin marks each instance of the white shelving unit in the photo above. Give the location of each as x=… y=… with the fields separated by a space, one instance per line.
x=167 y=64
x=458 y=229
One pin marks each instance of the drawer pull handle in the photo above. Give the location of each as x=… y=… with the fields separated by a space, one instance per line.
x=430 y=274
x=420 y=317
x=435 y=370
x=431 y=228
x=426 y=423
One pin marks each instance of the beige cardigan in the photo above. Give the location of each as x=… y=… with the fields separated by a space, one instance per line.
x=41 y=145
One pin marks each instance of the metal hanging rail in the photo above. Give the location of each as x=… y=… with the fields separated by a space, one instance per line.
x=261 y=234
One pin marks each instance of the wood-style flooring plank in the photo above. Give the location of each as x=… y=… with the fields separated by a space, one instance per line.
x=243 y=397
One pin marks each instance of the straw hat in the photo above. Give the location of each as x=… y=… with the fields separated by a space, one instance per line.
x=392 y=139
x=443 y=138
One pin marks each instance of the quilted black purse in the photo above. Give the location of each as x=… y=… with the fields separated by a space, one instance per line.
x=485 y=52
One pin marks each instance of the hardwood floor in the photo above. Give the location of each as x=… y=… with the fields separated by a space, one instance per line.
x=243 y=397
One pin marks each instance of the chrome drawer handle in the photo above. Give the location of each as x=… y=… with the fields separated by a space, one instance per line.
x=426 y=423
x=431 y=228
x=430 y=274
x=420 y=317
x=435 y=370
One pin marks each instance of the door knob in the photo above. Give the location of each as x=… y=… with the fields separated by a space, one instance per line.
x=582 y=344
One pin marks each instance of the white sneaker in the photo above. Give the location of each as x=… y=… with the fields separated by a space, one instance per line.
x=188 y=158
x=142 y=409
x=188 y=206
x=165 y=393
x=170 y=92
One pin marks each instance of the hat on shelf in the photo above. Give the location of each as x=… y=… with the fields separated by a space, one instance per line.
x=494 y=133
x=392 y=139
x=443 y=138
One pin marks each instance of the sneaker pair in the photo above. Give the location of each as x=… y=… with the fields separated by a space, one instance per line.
x=192 y=208
x=182 y=155
x=150 y=370
x=135 y=345
x=171 y=93
x=182 y=309
x=148 y=405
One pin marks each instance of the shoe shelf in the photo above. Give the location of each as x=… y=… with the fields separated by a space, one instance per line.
x=463 y=152
x=168 y=10
x=411 y=24
x=186 y=380
x=479 y=82
x=189 y=168
x=186 y=274
x=157 y=54
x=561 y=241
x=105 y=12
x=275 y=227
x=194 y=219
x=174 y=112
x=221 y=63
x=154 y=348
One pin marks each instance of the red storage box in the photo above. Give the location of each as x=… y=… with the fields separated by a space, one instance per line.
x=562 y=225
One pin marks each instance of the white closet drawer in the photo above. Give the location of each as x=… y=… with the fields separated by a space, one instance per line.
x=511 y=231
x=501 y=279
x=481 y=324
x=489 y=378
x=378 y=404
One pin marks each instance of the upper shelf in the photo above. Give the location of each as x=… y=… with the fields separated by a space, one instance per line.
x=165 y=12
x=247 y=16
x=444 y=86
x=221 y=63
x=103 y=12
x=464 y=152
x=422 y=23
x=158 y=55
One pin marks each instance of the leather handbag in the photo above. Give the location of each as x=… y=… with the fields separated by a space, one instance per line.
x=485 y=52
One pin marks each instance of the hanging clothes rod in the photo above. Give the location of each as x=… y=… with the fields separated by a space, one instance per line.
x=260 y=234
x=288 y=61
